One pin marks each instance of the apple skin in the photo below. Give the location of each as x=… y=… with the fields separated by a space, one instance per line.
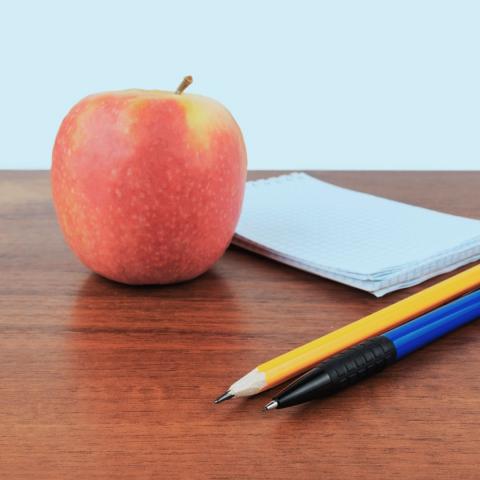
x=148 y=185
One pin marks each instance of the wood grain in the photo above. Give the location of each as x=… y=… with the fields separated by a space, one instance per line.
x=100 y=380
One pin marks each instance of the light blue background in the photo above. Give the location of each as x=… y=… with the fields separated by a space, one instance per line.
x=327 y=85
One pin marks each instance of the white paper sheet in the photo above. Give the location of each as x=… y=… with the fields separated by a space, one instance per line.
x=368 y=242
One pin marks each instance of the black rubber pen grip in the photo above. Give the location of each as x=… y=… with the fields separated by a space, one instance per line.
x=360 y=361
x=340 y=371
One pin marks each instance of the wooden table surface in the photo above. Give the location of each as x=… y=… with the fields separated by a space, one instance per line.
x=101 y=380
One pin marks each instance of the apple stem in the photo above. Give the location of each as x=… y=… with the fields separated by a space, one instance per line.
x=185 y=83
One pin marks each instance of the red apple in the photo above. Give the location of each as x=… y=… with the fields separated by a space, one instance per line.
x=148 y=185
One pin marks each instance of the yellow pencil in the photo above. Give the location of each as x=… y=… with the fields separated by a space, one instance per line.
x=296 y=361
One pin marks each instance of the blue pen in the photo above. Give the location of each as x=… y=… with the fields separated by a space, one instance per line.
x=373 y=355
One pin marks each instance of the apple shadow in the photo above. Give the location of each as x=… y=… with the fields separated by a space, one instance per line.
x=134 y=350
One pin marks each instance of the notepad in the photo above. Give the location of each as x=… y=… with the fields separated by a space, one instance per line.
x=361 y=240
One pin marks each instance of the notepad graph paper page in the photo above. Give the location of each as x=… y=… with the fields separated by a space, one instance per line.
x=361 y=240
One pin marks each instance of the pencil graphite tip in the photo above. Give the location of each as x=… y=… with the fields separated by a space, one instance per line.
x=224 y=396
x=271 y=406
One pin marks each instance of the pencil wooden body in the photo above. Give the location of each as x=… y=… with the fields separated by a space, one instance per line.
x=297 y=361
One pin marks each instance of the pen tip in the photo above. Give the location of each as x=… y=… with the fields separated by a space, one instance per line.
x=271 y=406
x=224 y=396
